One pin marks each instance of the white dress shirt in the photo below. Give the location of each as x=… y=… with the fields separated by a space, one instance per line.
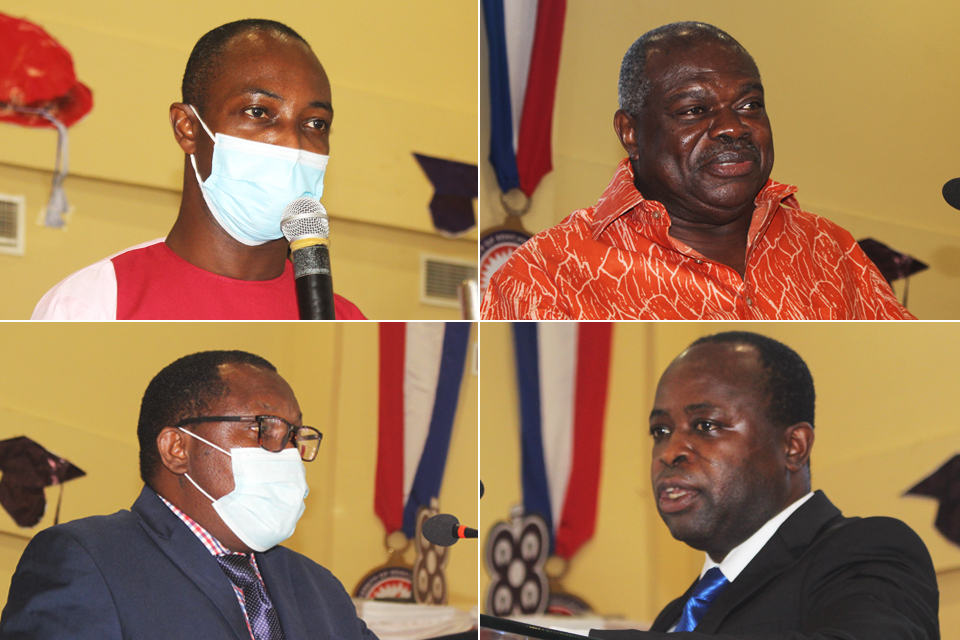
x=741 y=555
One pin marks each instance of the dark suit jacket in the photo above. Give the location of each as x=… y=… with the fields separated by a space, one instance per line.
x=822 y=575
x=144 y=574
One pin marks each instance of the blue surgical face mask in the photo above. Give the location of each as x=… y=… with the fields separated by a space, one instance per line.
x=251 y=182
x=267 y=498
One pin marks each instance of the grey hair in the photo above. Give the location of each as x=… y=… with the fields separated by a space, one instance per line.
x=634 y=84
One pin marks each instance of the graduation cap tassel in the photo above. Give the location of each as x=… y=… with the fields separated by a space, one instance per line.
x=57 y=205
x=56 y=515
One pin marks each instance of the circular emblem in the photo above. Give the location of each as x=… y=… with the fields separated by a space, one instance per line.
x=392 y=581
x=495 y=249
x=387 y=583
x=429 y=581
x=516 y=554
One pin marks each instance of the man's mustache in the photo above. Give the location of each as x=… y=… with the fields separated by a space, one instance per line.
x=740 y=151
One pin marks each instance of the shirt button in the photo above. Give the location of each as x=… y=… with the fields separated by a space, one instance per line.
x=656 y=215
x=749 y=302
x=699 y=261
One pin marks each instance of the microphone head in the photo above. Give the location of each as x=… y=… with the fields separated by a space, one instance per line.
x=439 y=529
x=304 y=218
x=951 y=193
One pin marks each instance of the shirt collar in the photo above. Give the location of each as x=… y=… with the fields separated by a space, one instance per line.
x=214 y=546
x=741 y=555
x=622 y=197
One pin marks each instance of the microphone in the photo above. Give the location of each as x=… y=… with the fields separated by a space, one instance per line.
x=305 y=225
x=444 y=530
x=951 y=193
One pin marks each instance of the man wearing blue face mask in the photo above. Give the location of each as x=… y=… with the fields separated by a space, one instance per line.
x=254 y=126
x=221 y=452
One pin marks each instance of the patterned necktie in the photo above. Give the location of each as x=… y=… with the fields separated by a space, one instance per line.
x=704 y=593
x=260 y=612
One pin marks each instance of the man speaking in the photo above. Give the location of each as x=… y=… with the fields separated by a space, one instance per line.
x=691 y=227
x=254 y=126
x=222 y=447
x=732 y=427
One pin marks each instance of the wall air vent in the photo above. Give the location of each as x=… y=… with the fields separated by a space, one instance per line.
x=12 y=216
x=440 y=279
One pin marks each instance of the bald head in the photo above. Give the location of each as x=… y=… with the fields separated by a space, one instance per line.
x=635 y=84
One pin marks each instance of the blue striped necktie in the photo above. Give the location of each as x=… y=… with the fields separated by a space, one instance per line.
x=263 y=619
x=704 y=593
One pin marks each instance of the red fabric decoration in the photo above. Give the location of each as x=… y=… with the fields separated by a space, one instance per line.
x=36 y=72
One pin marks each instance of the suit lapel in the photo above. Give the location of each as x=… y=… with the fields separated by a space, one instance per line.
x=671 y=613
x=799 y=530
x=280 y=588
x=187 y=553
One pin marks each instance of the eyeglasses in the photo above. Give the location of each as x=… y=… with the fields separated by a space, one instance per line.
x=274 y=433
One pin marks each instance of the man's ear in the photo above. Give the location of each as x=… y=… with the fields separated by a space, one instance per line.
x=626 y=127
x=172 y=446
x=185 y=126
x=798 y=441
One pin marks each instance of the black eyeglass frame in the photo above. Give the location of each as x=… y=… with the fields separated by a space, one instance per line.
x=292 y=431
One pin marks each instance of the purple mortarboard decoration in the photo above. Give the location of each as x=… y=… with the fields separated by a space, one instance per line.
x=28 y=468
x=892 y=264
x=944 y=485
x=455 y=185
x=951 y=193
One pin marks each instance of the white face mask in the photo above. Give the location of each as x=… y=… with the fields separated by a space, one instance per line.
x=250 y=184
x=267 y=499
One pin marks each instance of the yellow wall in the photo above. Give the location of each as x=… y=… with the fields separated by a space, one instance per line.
x=861 y=95
x=76 y=390
x=403 y=81
x=882 y=425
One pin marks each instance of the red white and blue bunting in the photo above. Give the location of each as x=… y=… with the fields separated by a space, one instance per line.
x=523 y=40
x=421 y=368
x=562 y=372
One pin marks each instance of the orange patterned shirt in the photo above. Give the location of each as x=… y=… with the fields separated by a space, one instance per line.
x=617 y=261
